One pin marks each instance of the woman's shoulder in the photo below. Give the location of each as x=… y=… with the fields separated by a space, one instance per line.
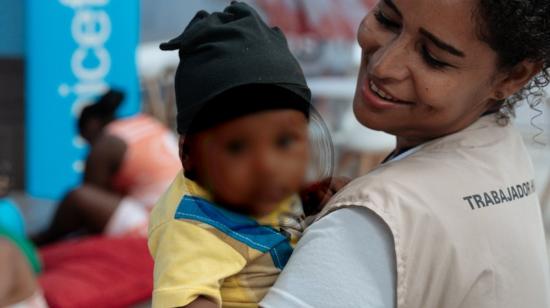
x=482 y=157
x=135 y=126
x=390 y=178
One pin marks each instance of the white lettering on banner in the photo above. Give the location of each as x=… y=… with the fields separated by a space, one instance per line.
x=79 y=3
x=91 y=29
x=82 y=72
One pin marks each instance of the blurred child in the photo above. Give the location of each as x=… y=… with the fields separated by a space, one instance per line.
x=223 y=231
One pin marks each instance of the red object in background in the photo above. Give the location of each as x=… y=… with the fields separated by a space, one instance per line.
x=324 y=19
x=97 y=272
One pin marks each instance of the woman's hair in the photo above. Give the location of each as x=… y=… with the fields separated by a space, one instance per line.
x=518 y=30
x=104 y=109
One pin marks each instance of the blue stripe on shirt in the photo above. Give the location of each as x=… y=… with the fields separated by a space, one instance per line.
x=239 y=227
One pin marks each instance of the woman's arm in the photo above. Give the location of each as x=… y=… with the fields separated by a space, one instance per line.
x=104 y=160
x=346 y=259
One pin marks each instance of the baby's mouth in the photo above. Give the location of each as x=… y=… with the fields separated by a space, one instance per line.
x=271 y=194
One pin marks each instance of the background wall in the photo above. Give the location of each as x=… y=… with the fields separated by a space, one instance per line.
x=12 y=87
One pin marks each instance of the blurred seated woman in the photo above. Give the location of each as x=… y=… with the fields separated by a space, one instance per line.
x=130 y=164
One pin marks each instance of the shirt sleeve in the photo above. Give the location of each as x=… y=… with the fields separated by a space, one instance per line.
x=190 y=262
x=346 y=259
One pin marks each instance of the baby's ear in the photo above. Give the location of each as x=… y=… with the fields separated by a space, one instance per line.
x=184 y=150
x=185 y=158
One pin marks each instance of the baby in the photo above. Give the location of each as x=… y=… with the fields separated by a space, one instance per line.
x=224 y=229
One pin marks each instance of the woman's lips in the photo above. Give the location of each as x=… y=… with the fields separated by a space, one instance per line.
x=377 y=98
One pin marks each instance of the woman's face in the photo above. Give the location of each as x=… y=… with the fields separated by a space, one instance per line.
x=424 y=73
x=253 y=163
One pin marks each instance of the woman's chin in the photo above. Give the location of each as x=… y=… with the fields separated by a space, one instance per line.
x=367 y=117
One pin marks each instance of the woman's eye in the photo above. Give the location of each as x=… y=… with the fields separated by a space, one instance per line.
x=386 y=22
x=235 y=147
x=431 y=60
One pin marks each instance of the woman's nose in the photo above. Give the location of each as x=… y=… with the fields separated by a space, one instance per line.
x=390 y=62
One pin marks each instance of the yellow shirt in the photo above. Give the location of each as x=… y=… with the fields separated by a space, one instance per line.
x=201 y=249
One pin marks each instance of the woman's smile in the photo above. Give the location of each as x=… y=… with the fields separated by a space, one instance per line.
x=376 y=97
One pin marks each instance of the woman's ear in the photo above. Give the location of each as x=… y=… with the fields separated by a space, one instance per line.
x=513 y=80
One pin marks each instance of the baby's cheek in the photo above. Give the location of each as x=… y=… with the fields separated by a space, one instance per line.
x=294 y=172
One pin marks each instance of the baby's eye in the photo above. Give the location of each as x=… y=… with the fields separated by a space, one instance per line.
x=285 y=141
x=235 y=147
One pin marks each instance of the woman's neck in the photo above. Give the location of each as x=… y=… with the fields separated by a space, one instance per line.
x=403 y=143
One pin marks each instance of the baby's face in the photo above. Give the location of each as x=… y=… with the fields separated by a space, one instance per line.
x=254 y=162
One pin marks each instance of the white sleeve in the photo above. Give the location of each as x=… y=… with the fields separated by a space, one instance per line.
x=346 y=259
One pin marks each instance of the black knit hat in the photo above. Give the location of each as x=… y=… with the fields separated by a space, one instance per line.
x=230 y=50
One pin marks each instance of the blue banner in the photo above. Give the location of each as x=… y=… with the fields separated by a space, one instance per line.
x=75 y=50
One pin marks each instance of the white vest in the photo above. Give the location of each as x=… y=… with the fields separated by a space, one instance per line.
x=465 y=219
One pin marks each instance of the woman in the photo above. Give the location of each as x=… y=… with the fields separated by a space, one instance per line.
x=451 y=219
x=131 y=162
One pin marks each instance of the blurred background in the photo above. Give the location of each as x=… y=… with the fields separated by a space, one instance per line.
x=58 y=56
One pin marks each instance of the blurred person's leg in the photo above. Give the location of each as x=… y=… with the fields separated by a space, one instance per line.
x=17 y=282
x=130 y=218
x=86 y=208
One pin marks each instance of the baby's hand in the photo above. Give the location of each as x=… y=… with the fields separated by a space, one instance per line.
x=315 y=196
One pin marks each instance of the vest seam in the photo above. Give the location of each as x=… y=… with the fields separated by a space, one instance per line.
x=400 y=266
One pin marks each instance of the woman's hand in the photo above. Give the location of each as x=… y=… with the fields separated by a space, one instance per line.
x=315 y=196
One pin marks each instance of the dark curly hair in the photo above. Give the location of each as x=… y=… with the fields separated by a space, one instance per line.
x=518 y=30
x=104 y=109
